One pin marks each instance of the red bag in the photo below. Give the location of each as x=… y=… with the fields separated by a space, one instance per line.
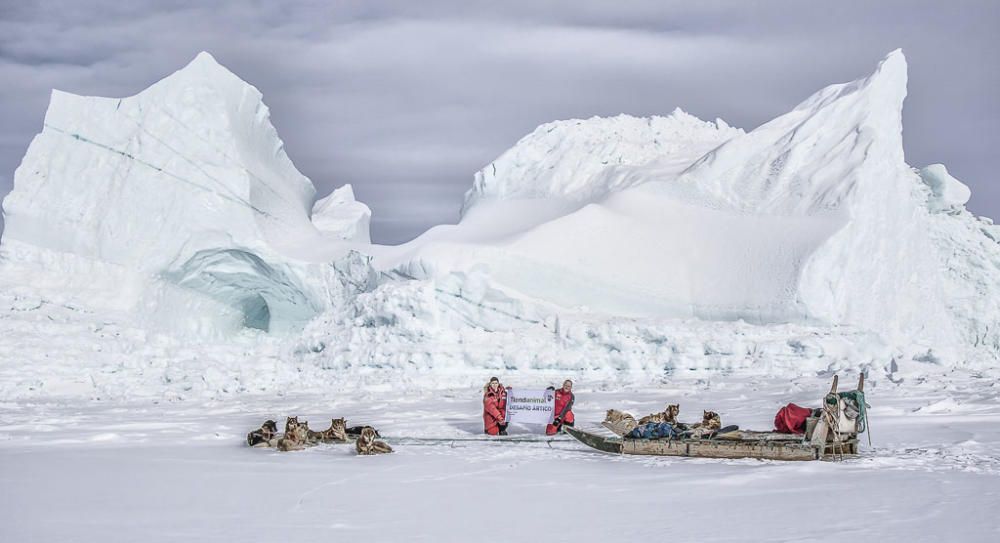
x=791 y=419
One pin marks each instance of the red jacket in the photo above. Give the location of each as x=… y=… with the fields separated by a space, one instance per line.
x=563 y=410
x=494 y=409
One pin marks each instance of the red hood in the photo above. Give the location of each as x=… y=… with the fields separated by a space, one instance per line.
x=500 y=389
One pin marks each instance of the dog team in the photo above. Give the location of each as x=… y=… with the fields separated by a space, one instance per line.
x=622 y=423
x=298 y=436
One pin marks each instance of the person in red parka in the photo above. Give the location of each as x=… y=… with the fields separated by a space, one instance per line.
x=563 y=408
x=494 y=408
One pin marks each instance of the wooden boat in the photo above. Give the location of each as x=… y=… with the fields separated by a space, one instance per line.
x=833 y=434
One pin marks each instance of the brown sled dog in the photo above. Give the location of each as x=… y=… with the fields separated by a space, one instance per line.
x=367 y=444
x=667 y=415
x=710 y=422
x=619 y=422
x=336 y=433
x=295 y=437
x=265 y=436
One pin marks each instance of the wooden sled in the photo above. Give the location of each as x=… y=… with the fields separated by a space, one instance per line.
x=828 y=436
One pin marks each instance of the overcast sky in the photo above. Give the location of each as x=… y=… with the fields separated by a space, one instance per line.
x=406 y=100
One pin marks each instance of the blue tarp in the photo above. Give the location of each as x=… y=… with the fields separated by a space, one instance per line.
x=654 y=430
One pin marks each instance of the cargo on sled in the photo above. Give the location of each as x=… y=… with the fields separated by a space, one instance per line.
x=832 y=433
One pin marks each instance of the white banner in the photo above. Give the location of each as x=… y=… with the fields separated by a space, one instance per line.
x=530 y=406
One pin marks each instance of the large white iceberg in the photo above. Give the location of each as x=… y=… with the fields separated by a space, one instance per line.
x=185 y=191
x=617 y=246
x=811 y=218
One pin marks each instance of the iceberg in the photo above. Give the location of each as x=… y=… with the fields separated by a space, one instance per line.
x=185 y=187
x=617 y=246
x=811 y=218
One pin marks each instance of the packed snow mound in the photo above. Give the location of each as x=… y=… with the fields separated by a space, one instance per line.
x=187 y=185
x=947 y=193
x=566 y=159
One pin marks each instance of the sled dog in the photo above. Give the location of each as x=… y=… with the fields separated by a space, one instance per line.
x=667 y=415
x=336 y=433
x=367 y=444
x=295 y=437
x=619 y=422
x=265 y=436
x=710 y=422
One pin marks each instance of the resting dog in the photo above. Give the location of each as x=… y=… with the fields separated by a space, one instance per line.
x=296 y=435
x=265 y=436
x=619 y=422
x=336 y=433
x=668 y=415
x=710 y=420
x=367 y=444
x=710 y=423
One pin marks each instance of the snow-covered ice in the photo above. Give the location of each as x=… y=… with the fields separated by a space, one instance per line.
x=947 y=193
x=167 y=282
x=180 y=471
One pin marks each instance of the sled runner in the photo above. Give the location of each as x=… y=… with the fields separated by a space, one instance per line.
x=833 y=433
x=483 y=439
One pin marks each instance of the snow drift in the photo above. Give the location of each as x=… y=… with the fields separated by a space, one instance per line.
x=610 y=245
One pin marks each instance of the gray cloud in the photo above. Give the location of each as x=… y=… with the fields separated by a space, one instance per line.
x=405 y=100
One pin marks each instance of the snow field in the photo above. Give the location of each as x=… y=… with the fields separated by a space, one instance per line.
x=169 y=471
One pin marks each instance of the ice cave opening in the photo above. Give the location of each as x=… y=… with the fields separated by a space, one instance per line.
x=269 y=297
x=256 y=313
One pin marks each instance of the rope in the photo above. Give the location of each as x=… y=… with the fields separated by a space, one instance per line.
x=830 y=415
